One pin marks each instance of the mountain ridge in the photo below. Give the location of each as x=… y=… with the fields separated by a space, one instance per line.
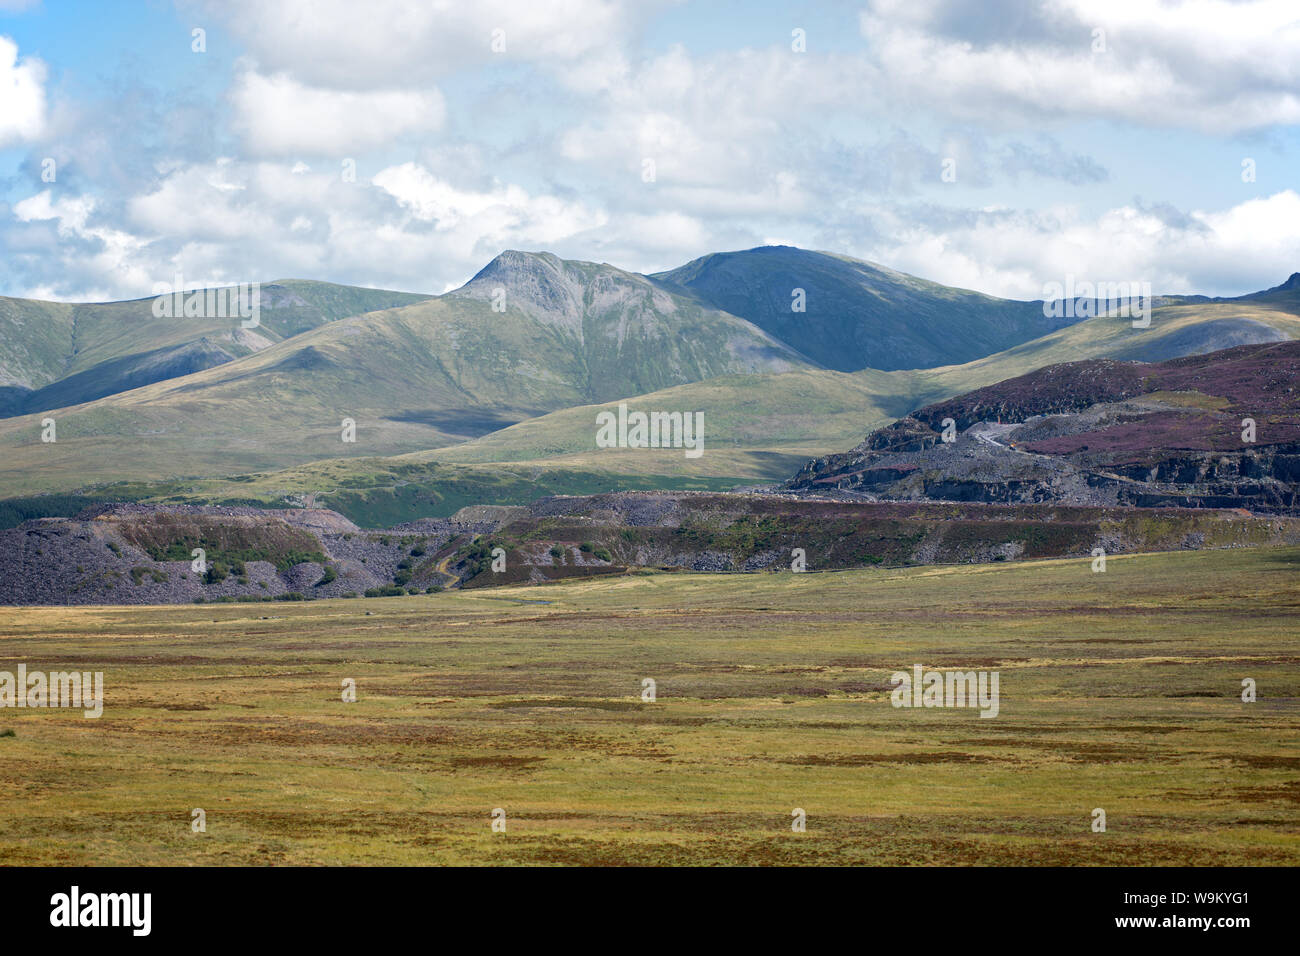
x=849 y=314
x=78 y=352
x=467 y=381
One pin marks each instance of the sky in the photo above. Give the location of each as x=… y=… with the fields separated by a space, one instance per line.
x=998 y=145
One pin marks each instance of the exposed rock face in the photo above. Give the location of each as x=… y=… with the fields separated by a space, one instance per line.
x=537 y=284
x=143 y=554
x=753 y=532
x=1214 y=431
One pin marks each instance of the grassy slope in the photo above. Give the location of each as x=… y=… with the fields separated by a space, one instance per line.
x=753 y=424
x=771 y=441
x=1118 y=690
x=291 y=306
x=423 y=376
x=91 y=349
x=376 y=492
x=35 y=341
x=760 y=427
x=1175 y=330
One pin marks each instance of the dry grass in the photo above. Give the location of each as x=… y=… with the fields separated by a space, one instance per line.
x=1119 y=690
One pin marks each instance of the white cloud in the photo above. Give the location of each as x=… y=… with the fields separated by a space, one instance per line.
x=232 y=220
x=347 y=45
x=22 y=95
x=1215 y=65
x=70 y=212
x=506 y=214
x=668 y=231
x=1247 y=247
x=107 y=259
x=279 y=116
x=543 y=145
x=727 y=127
x=209 y=201
x=410 y=229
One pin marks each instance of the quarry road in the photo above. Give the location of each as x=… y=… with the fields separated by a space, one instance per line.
x=448 y=579
x=989 y=432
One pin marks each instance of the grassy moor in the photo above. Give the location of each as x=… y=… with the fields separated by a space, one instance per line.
x=1119 y=691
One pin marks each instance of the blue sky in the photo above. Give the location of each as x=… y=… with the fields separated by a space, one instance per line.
x=1113 y=163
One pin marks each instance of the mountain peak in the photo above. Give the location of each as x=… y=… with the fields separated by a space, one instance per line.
x=537 y=283
x=559 y=292
x=848 y=314
x=1290 y=285
x=512 y=259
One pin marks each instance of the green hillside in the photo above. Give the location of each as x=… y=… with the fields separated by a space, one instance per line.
x=426 y=375
x=757 y=425
x=53 y=355
x=1180 y=328
x=758 y=429
x=491 y=393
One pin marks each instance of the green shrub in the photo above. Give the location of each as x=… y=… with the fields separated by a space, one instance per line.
x=138 y=574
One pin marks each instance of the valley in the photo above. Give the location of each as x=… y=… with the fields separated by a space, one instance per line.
x=643 y=435
x=486 y=610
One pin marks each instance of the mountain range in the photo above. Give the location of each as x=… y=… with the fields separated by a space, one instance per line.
x=495 y=385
